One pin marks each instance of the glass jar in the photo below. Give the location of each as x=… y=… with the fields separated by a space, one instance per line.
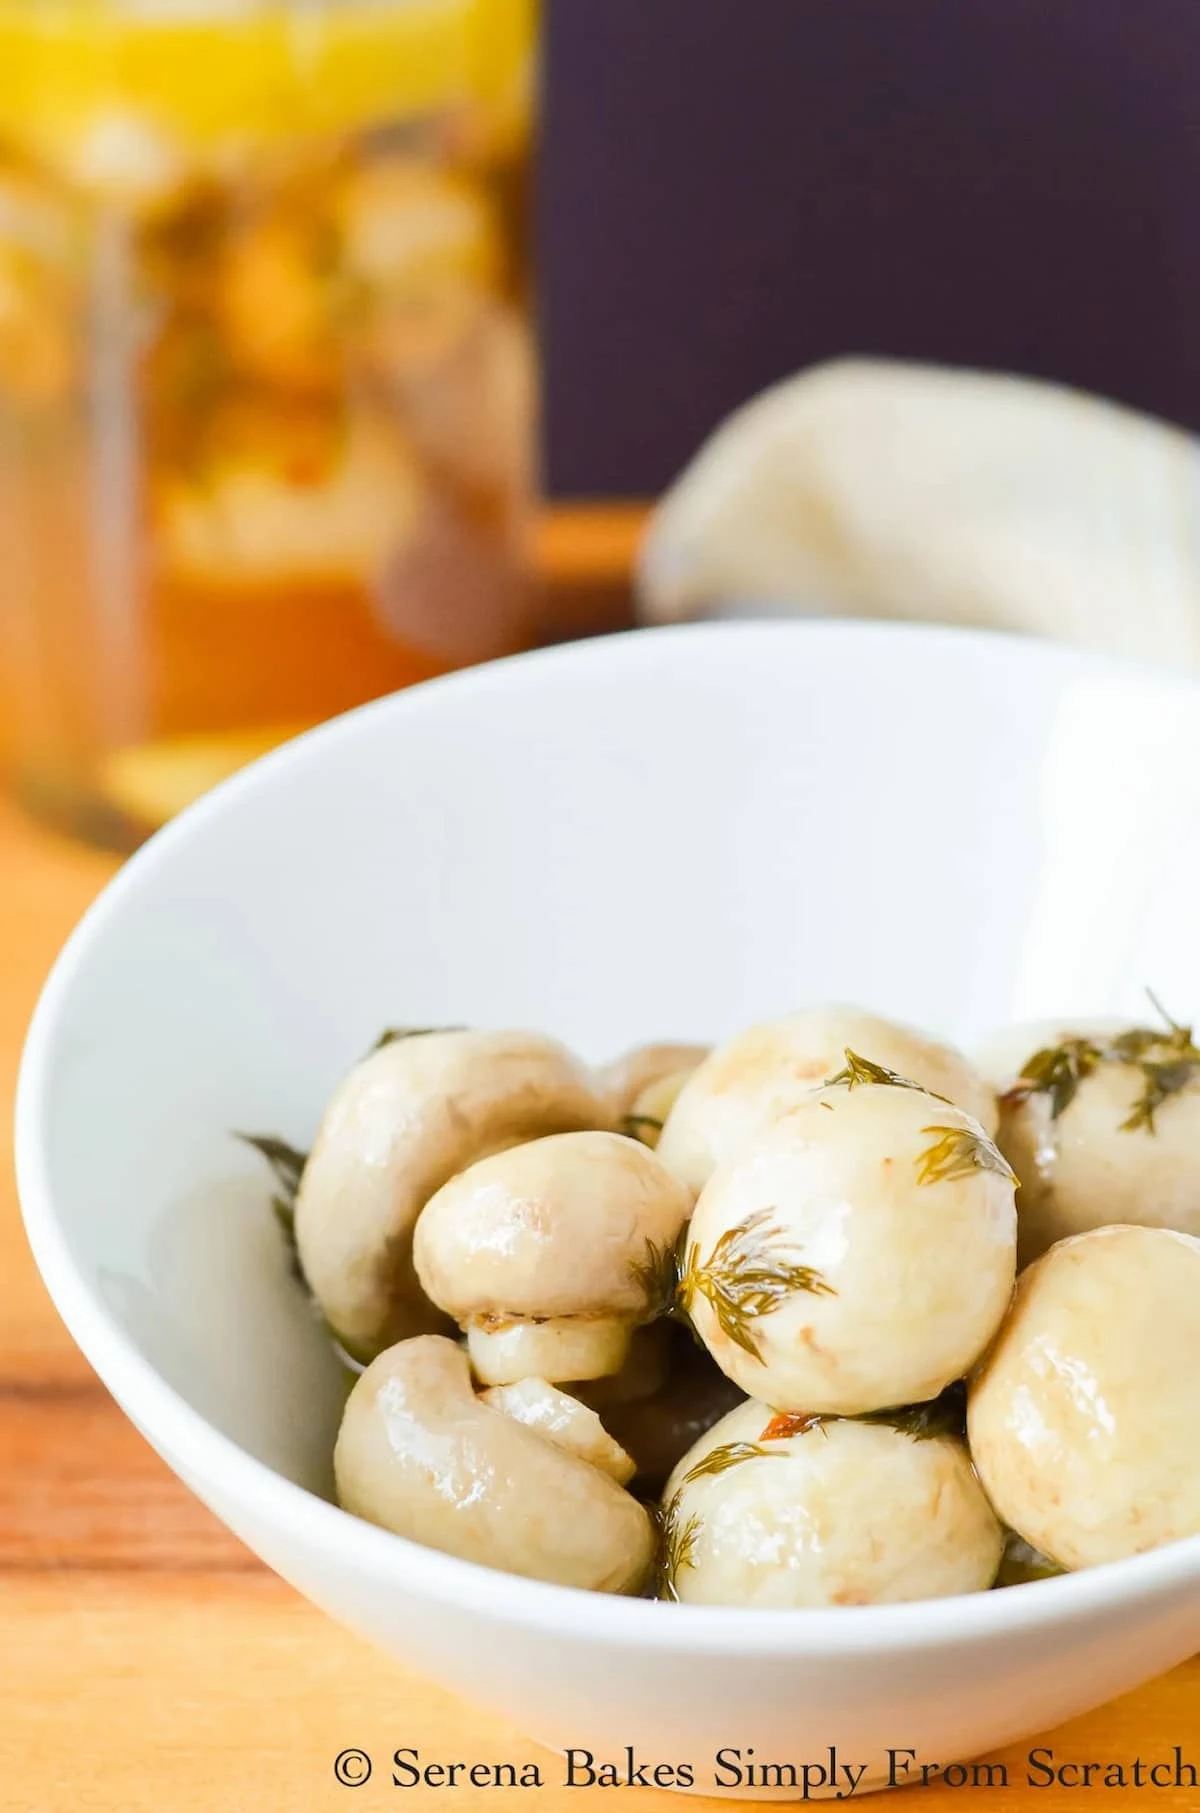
x=266 y=388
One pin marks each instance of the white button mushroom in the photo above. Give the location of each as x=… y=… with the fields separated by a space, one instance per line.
x=1084 y=1420
x=773 y=1511
x=641 y=1086
x=550 y=1255
x=421 y=1455
x=747 y=1083
x=860 y=1254
x=404 y=1121
x=1101 y=1122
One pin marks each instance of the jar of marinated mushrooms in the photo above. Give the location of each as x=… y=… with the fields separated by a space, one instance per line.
x=266 y=389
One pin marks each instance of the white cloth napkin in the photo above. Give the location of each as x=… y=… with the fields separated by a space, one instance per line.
x=870 y=488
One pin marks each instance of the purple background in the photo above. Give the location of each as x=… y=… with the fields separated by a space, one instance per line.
x=733 y=188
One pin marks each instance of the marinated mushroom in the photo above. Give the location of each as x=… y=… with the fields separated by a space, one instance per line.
x=747 y=1083
x=641 y=1086
x=860 y=1254
x=853 y=1248
x=1101 y=1122
x=1084 y=1420
x=549 y=1255
x=777 y=1511
x=421 y=1455
x=407 y=1118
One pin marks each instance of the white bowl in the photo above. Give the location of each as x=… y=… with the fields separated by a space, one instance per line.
x=666 y=834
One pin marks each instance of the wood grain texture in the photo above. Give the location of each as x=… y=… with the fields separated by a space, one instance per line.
x=147 y=1660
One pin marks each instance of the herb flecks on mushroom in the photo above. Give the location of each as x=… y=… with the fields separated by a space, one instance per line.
x=1055 y=1072
x=859 y=1071
x=728 y=1454
x=749 y=1273
x=823 y=1279
x=864 y=1515
x=1167 y=1057
x=391 y=1035
x=745 y=1085
x=656 y=1273
x=677 y=1539
x=1101 y=1125
x=943 y=1415
x=957 y=1152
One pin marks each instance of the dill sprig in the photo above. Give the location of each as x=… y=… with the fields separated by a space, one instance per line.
x=940 y=1416
x=729 y=1454
x=635 y=1126
x=1167 y=1057
x=859 y=1070
x=392 y=1034
x=1056 y=1072
x=287 y=1164
x=749 y=1273
x=676 y=1547
x=960 y=1152
x=1169 y=1061
x=656 y=1275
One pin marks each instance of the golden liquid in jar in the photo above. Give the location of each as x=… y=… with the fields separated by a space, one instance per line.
x=266 y=390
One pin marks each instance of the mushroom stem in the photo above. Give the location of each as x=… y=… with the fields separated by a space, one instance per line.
x=561 y=1348
x=564 y=1421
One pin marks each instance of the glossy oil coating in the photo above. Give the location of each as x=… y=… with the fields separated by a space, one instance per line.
x=563 y=1420
x=747 y=1083
x=1084 y=1421
x=860 y=1255
x=421 y=1455
x=550 y=1254
x=1085 y=1167
x=843 y=1514
x=403 y=1121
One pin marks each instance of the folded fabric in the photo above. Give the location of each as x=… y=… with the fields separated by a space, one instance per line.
x=871 y=488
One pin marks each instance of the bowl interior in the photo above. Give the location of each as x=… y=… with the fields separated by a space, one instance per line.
x=664 y=835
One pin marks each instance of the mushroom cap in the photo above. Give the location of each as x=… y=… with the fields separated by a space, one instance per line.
x=1084 y=1420
x=857 y=1256
x=845 y=1513
x=650 y=1109
x=419 y=1454
x=1084 y=1168
x=635 y=1071
x=565 y=1226
x=747 y=1083
x=404 y=1120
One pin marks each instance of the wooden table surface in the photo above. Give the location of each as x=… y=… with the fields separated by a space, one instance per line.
x=147 y=1660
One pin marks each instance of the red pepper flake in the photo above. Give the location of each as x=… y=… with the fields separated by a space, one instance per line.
x=789 y=1422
